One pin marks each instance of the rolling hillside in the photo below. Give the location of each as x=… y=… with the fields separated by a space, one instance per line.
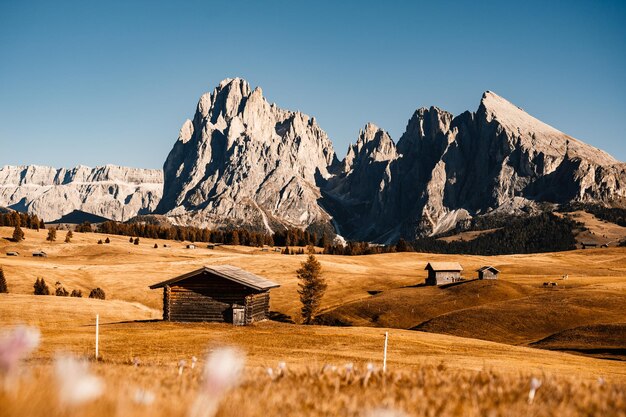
x=514 y=310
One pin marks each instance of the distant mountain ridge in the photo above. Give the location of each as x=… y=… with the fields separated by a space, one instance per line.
x=243 y=162
x=449 y=169
x=108 y=191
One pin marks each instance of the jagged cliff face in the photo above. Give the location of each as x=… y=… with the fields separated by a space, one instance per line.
x=242 y=162
x=499 y=158
x=113 y=192
x=245 y=163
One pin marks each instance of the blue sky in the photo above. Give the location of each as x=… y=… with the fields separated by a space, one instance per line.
x=91 y=83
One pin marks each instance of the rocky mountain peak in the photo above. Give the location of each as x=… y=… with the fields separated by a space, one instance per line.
x=373 y=144
x=247 y=161
x=532 y=134
x=241 y=162
x=426 y=125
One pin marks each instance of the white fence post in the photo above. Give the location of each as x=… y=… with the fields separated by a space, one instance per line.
x=385 y=354
x=97 y=329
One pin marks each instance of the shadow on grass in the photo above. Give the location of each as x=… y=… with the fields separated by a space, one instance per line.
x=280 y=317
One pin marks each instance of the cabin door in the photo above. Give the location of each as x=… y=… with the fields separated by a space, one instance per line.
x=239 y=315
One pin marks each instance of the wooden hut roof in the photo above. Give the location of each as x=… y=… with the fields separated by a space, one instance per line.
x=444 y=266
x=228 y=272
x=491 y=268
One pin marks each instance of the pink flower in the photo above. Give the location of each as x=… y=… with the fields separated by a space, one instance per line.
x=75 y=383
x=222 y=370
x=16 y=345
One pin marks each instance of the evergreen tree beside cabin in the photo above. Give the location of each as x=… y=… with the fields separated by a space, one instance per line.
x=311 y=288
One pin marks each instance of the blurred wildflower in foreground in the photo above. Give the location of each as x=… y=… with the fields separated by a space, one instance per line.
x=143 y=397
x=534 y=386
x=75 y=383
x=16 y=345
x=222 y=372
x=385 y=412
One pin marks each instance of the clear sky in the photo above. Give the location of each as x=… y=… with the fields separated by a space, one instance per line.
x=96 y=82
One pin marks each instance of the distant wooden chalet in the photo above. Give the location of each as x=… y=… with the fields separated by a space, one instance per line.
x=221 y=293
x=586 y=245
x=13 y=253
x=488 y=272
x=440 y=273
x=40 y=254
x=191 y=246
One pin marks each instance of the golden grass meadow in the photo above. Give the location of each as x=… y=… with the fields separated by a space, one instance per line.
x=477 y=358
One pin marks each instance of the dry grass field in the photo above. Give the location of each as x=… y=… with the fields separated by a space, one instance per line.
x=598 y=231
x=428 y=373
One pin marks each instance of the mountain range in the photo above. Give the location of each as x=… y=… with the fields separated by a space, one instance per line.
x=243 y=162
x=113 y=192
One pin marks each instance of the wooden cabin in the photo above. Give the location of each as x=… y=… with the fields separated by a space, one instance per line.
x=40 y=254
x=220 y=293
x=488 y=272
x=440 y=273
x=191 y=246
x=13 y=253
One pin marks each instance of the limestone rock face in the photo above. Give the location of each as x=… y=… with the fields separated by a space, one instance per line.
x=113 y=192
x=357 y=195
x=243 y=162
x=498 y=157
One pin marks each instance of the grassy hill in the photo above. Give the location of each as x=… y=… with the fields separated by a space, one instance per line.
x=529 y=319
x=599 y=340
x=515 y=309
x=408 y=307
x=427 y=372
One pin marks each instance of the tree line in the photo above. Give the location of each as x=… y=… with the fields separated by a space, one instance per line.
x=15 y=218
x=542 y=233
x=610 y=214
x=244 y=237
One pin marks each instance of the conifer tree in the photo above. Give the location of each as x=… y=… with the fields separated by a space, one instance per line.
x=136 y=242
x=311 y=288
x=52 y=235
x=35 y=223
x=60 y=290
x=235 y=238
x=3 y=282
x=97 y=293
x=68 y=236
x=40 y=287
x=18 y=234
x=107 y=240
